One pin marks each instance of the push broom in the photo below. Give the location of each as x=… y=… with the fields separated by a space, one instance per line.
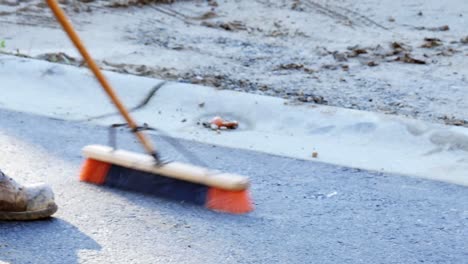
x=144 y=172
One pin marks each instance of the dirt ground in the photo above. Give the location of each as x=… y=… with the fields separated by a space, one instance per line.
x=396 y=57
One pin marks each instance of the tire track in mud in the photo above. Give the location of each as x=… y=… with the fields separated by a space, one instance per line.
x=172 y=13
x=343 y=14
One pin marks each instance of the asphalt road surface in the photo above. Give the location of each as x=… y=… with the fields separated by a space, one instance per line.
x=306 y=212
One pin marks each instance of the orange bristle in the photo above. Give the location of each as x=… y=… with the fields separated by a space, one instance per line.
x=236 y=202
x=94 y=171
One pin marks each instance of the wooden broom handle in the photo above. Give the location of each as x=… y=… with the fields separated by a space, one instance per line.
x=67 y=26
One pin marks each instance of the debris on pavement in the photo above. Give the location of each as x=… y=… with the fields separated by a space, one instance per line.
x=453 y=121
x=441 y=28
x=356 y=51
x=294 y=66
x=228 y=26
x=126 y=3
x=213 y=3
x=218 y=123
x=464 y=40
x=207 y=15
x=399 y=47
x=60 y=57
x=431 y=43
x=406 y=58
x=291 y=66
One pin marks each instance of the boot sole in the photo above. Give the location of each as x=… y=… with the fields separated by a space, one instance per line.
x=28 y=215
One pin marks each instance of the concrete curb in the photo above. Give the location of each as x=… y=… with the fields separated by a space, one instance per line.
x=267 y=124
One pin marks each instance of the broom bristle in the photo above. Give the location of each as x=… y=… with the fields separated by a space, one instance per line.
x=236 y=202
x=99 y=172
x=94 y=171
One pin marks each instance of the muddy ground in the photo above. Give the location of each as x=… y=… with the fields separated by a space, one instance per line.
x=397 y=57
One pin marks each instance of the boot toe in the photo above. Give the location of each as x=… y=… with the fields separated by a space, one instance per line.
x=40 y=197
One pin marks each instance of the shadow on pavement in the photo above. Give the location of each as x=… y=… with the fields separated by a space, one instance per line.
x=47 y=241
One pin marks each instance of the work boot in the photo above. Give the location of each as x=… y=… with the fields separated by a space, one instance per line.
x=30 y=202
